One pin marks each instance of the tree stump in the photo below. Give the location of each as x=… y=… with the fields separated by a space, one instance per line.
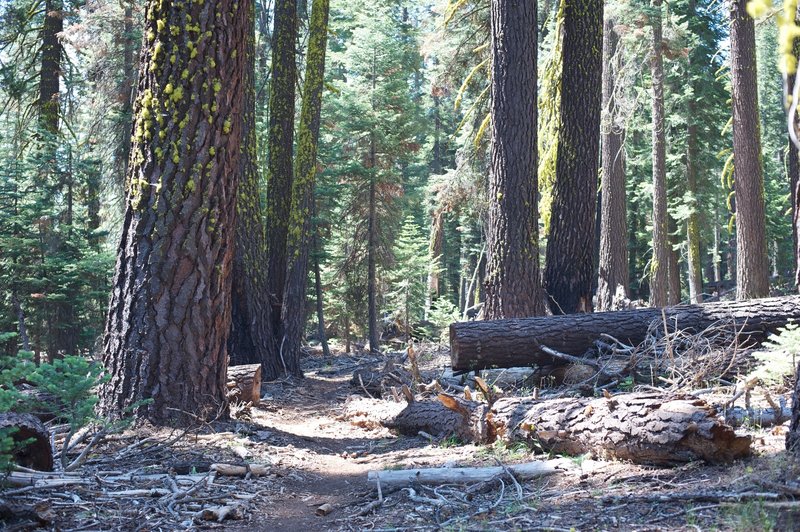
x=31 y=441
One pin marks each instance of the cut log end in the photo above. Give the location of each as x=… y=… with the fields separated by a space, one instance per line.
x=31 y=441
x=244 y=383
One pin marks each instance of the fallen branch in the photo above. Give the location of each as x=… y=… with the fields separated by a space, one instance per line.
x=466 y=475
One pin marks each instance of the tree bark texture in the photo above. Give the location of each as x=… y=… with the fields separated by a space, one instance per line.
x=513 y=286
x=372 y=259
x=517 y=342
x=569 y=268
x=283 y=77
x=752 y=268
x=639 y=427
x=694 y=257
x=301 y=220
x=252 y=338
x=169 y=317
x=435 y=252
x=613 y=272
x=674 y=269
x=244 y=382
x=50 y=73
x=659 y=266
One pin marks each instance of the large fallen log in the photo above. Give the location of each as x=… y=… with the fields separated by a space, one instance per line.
x=518 y=342
x=640 y=427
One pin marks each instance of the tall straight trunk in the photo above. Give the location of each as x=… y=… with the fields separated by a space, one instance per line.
x=281 y=137
x=752 y=268
x=674 y=265
x=613 y=272
x=301 y=220
x=323 y=337
x=512 y=273
x=569 y=266
x=129 y=46
x=372 y=251
x=435 y=250
x=251 y=339
x=50 y=71
x=793 y=169
x=169 y=318
x=659 y=271
x=694 y=259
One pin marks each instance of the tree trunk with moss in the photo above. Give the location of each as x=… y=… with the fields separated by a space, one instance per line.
x=569 y=266
x=613 y=271
x=752 y=267
x=281 y=137
x=252 y=340
x=170 y=312
x=694 y=257
x=512 y=273
x=301 y=220
x=659 y=269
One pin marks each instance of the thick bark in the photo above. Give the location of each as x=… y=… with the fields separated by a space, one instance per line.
x=569 y=266
x=283 y=77
x=298 y=242
x=613 y=273
x=659 y=267
x=642 y=428
x=244 y=383
x=169 y=318
x=435 y=251
x=752 y=268
x=517 y=342
x=512 y=276
x=50 y=73
x=251 y=339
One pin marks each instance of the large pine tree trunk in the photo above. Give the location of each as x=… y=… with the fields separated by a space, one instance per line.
x=569 y=266
x=512 y=272
x=252 y=337
x=519 y=342
x=301 y=220
x=613 y=271
x=659 y=268
x=281 y=137
x=752 y=268
x=169 y=318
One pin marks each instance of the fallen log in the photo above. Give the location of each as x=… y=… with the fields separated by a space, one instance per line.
x=519 y=342
x=244 y=383
x=465 y=475
x=639 y=427
x=31 y=441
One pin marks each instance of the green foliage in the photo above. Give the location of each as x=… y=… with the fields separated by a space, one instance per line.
x=71 y=381
x=779 y=360
x=408 y=277
x=441 y=315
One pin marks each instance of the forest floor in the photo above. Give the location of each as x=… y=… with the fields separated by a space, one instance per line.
x=318 y=439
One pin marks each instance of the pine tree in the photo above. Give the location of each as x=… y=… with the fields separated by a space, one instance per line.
x=512 y=274
x=169 y=318
x=406 y=300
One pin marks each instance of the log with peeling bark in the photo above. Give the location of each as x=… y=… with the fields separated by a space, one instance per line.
x=519 y=342
x=466 y=475
x=639 y=427
x=32 y=441
x=244 y=383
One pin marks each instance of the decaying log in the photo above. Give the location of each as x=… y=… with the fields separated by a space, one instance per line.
x=245 y=383
x=231 y=470
x=466 y=475
x=640 y=427
x=517 y=342
x=32 y=441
